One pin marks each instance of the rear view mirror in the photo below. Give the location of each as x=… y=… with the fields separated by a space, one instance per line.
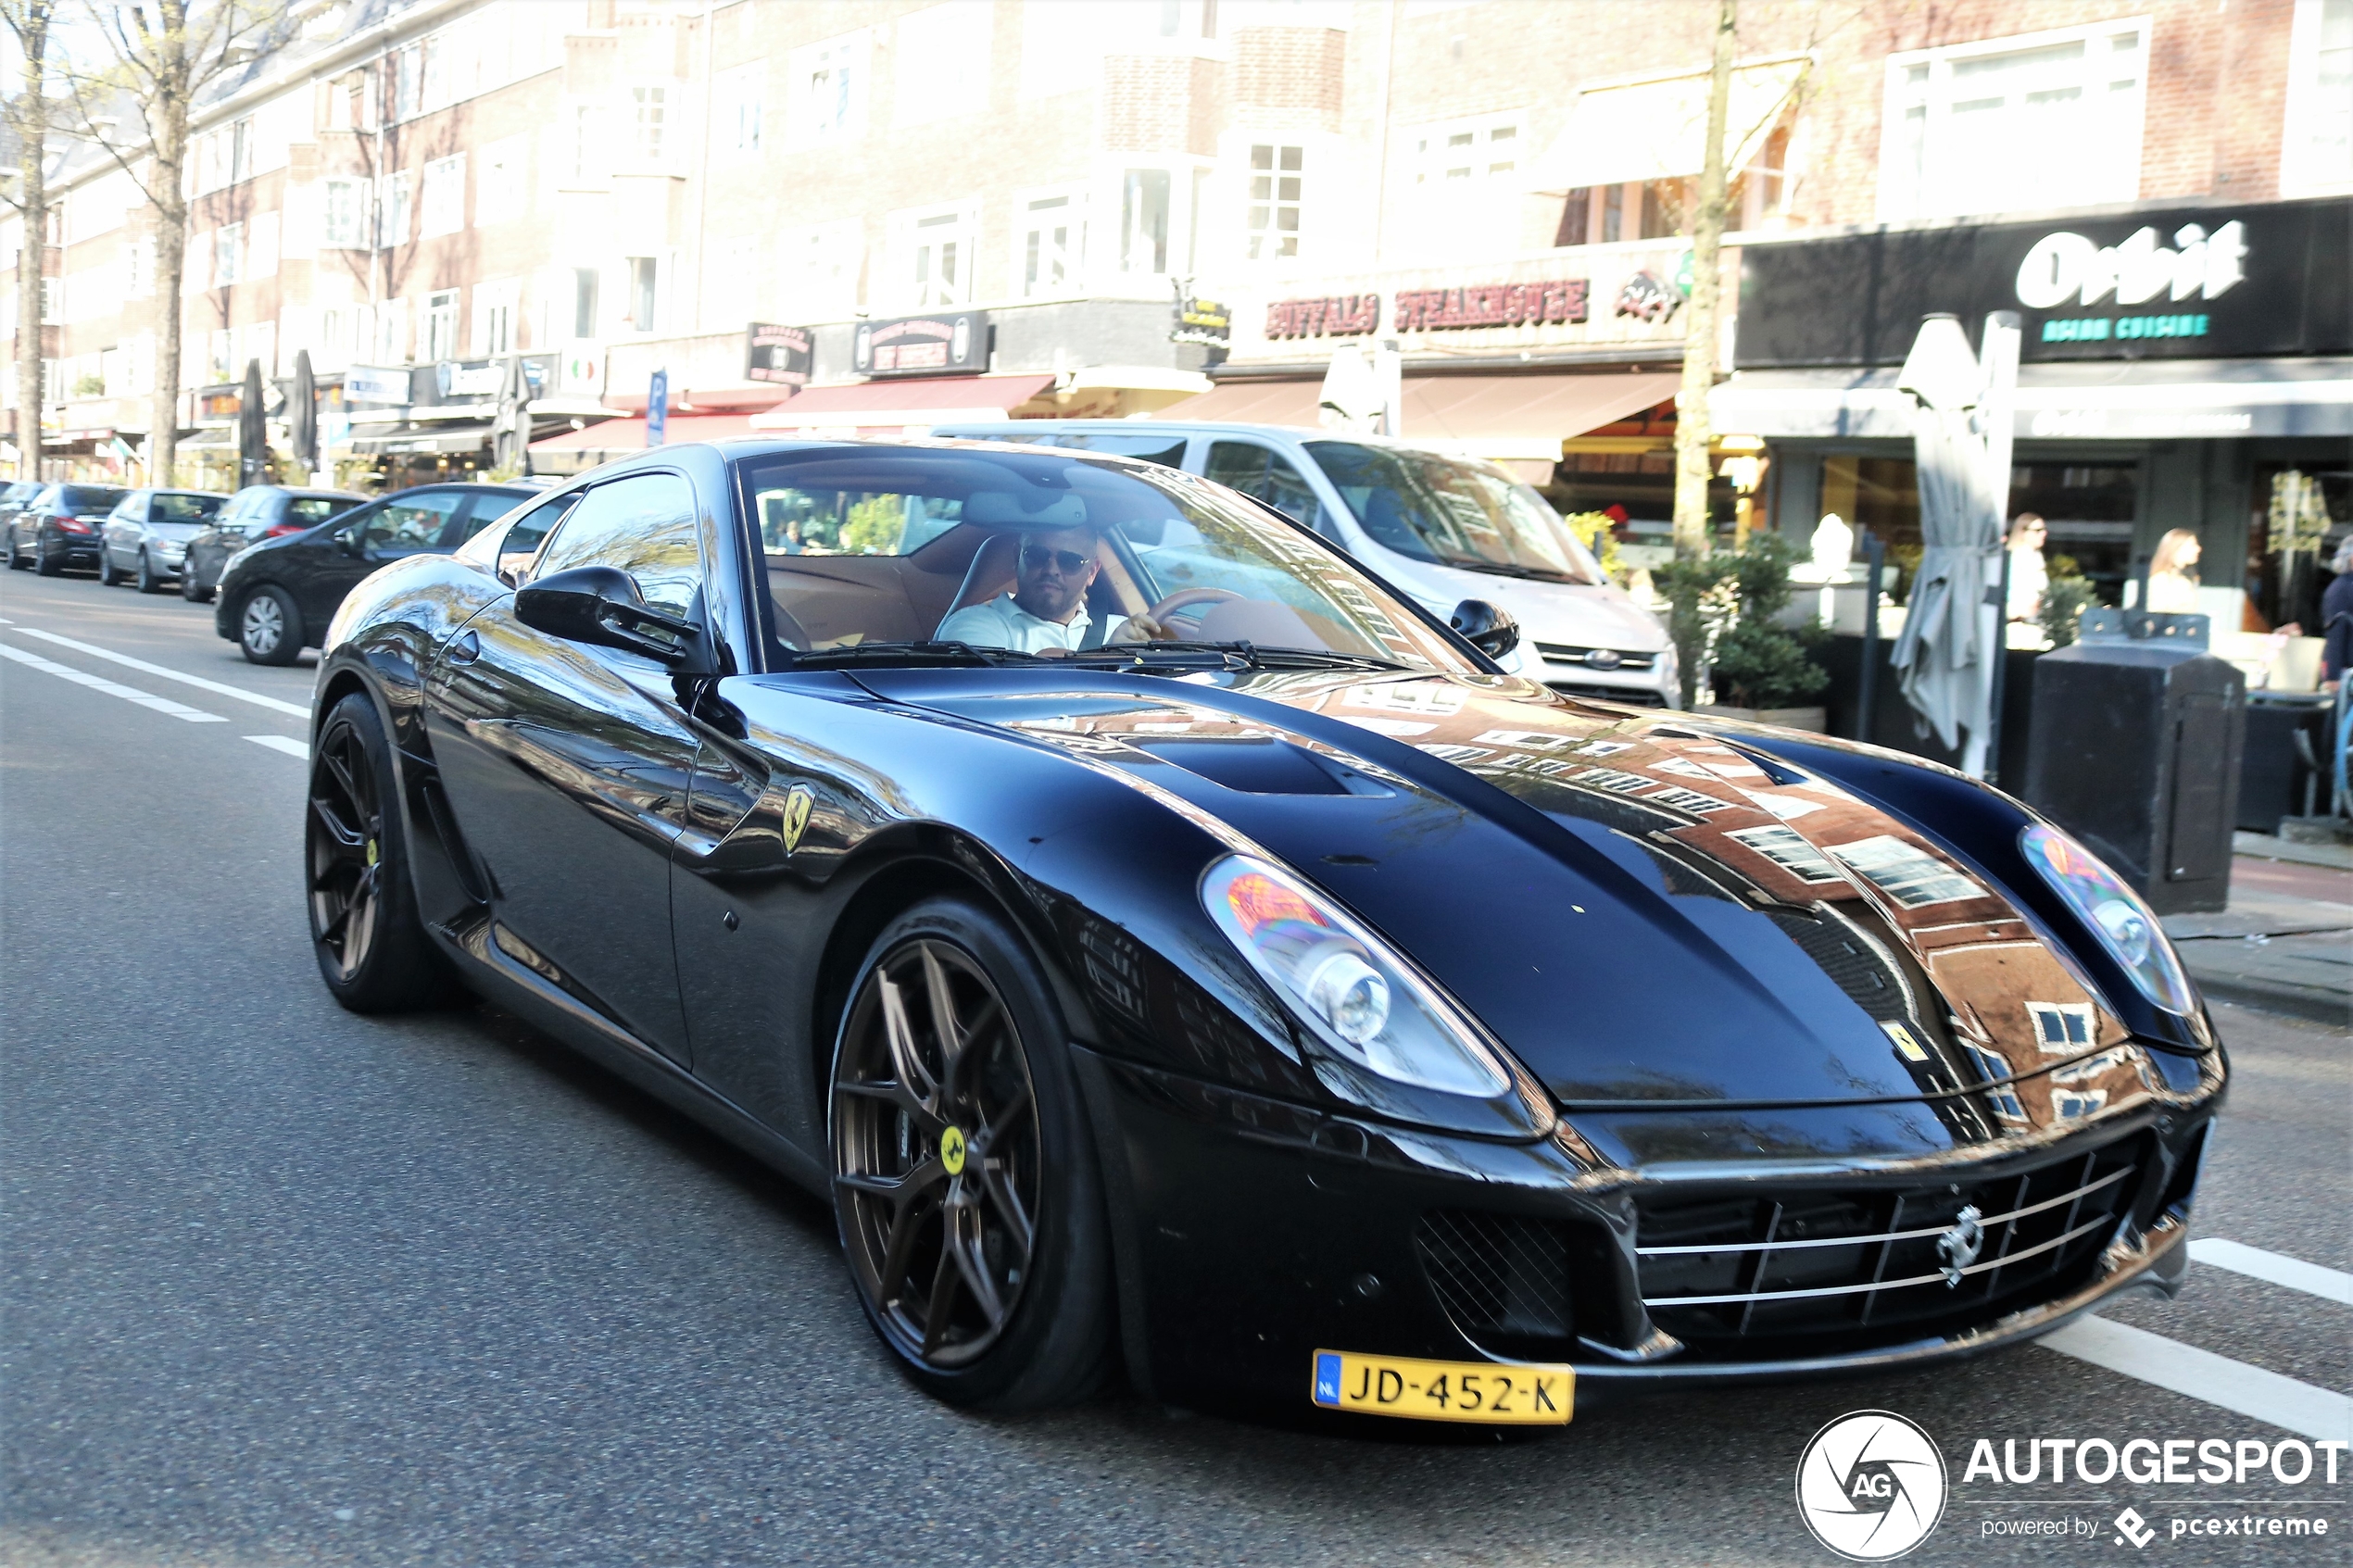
x=601 y=604
x=1485 y=627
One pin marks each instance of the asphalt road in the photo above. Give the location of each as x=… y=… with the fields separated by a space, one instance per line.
x=285 y=1285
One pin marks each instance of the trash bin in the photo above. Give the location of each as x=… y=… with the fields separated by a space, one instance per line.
x=2134 y=748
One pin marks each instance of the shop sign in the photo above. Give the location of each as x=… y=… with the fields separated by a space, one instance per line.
x=1205 y=321
x=220 y=403
x=469 y=379
x=1550 y=303
x=2195 y=282
x=584 y=370
x=1647 y=297
x=954 y=343
x=1347 y=315
x=373 y=384
x=784 y=356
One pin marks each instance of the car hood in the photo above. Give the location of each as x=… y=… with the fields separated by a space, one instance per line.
x=1559 y=612
x=1650 y=913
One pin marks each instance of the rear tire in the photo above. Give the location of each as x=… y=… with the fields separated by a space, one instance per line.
x=147 y=582
x=371 y=942
x=44 y=563
x=188 y=587
x=107 y=575
x=965 y=1182
x=16 y=558
x=270 y=626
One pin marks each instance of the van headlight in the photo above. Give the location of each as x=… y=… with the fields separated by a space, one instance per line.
x=2118 y=919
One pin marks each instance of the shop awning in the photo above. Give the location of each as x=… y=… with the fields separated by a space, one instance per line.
x=1657 y=129
x=437 y=439
x=2112 y=400
x=880 y=406
x=1495 y=416
x=613 y=438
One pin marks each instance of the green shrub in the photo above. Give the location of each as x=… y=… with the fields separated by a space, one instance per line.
x=1720 y=614
x=2064 y=601
x=1760 y=665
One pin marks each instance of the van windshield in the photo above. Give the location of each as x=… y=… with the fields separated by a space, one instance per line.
x=1454 y=512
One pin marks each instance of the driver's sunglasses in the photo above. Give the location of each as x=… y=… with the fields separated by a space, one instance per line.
x=1037 y=557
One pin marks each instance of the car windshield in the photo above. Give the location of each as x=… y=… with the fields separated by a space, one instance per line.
x=166 y=506
x=1454 y=512
x=310 y=509
x=89 y=498
x=877 y=550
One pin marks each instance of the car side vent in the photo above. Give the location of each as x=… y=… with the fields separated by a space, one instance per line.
x=1503 y=1279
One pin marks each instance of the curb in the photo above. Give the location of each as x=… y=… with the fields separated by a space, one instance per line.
x=2303 y=1001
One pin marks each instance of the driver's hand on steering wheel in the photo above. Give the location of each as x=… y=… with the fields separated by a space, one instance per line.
x=1138 y=629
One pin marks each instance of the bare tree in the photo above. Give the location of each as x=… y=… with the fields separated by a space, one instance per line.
x=28 y=113
x=160 y=58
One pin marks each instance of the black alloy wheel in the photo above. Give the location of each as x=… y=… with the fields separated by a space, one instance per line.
x=107 y=575
x=372 y=946
x=270 y=626
x=148 y=580
x=964 y=1172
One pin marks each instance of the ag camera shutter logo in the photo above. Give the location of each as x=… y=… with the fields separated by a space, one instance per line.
x=1871 y=1485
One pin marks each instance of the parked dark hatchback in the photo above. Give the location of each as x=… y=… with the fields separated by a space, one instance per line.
x=258 y=511
x=60 y=527
x=277 y=595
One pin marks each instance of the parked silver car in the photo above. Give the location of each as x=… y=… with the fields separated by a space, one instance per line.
x=147 y=535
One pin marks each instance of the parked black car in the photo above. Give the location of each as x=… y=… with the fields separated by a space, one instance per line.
x=258 y=511
x=16 y=496
x=60 y=527
x=277 y=595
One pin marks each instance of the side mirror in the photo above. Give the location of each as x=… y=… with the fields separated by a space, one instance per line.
x=601 y=604
x=1485 y=627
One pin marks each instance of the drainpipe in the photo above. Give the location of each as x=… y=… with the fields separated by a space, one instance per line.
x=702 y=168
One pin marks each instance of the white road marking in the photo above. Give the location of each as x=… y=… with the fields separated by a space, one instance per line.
x=161 y=705
x=2185 y=1369
x=281 y=743
x=218 y=688
x=2274 y=1268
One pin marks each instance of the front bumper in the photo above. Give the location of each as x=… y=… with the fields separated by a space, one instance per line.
x=1251 y=1233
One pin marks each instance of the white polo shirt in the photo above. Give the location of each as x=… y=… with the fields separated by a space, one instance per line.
x=1001 y=624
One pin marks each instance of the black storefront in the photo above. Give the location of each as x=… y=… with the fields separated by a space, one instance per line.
x=2185 y=366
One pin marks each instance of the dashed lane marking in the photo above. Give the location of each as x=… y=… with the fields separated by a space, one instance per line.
x=2301 y=1408
x=220 y=688
x=2274 y=1268
x=98 y=684
x=280 y=743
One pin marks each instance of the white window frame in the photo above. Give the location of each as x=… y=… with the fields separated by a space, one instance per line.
x=437 y=326
x=497 y=320
x=1904 y=193
x=441 y=197
x=2304 y=168
x=138 y=269
x=918 y=258
x=587 y=146
x=260 y=260
x=1432 y=158
x=503 y=178
x=845 y=120
x=396 y=215
x=228 y=254
x=649 y=104
x=387 y=328
x=343 y=226
x=1253 y=248
x=820 y=270
x=742 y=108
x=1034 y=220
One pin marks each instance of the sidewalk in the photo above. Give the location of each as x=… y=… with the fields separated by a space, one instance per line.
x=2286 y=941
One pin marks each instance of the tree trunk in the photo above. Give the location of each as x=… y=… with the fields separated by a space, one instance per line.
x=1693 y=433
x=32 y=137
x=172 y=261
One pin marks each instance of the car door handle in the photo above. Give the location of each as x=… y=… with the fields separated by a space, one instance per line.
x=465 y=649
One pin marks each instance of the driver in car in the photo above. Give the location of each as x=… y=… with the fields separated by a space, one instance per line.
x=1045 y=612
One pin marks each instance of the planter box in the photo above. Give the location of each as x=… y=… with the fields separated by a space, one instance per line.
x=1817 y=720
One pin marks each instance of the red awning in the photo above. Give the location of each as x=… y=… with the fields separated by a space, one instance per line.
x=894 y=404
x=629 y=434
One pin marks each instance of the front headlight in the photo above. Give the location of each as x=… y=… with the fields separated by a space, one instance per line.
x=2122 y=922
x=1362 y=1003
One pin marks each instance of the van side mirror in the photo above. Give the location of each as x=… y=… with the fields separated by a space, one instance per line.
x=1489 y=628
x=601 y=604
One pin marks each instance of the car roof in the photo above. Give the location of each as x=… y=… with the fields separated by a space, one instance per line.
x=1203 y=427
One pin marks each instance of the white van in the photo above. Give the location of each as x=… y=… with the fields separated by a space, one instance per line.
x=1441 y=527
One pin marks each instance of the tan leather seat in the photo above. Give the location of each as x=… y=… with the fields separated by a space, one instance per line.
x=992 y=571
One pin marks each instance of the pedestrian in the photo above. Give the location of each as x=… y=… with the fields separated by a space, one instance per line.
x=2173 y=575
x=2030 y=577
x=2336 y=617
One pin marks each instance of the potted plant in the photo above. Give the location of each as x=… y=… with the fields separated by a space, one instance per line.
x=1758 y=669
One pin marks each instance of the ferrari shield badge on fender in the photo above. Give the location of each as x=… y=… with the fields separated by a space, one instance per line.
x=796 y=809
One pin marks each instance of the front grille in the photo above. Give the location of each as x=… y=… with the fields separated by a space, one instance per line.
x=1806 y=1269
x=1503 y=1279
x=1611 y=659
x=1633 y=696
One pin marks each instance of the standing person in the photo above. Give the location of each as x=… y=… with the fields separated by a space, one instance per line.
x=2173 y=575
x=2336 y=617
x=2030 y=577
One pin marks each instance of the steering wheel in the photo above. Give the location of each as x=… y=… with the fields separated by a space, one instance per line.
x=1185 y=597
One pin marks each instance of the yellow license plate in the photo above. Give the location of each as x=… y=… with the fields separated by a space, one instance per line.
x=1486 y=1392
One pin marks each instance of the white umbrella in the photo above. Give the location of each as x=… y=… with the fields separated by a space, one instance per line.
x=1952 y=637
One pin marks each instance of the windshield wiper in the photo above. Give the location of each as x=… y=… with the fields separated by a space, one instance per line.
x=1235 y=655
x=1499 y=569
x=909 y=656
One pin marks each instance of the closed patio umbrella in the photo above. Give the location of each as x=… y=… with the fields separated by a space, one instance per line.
x=253 y=428
x=510 y=431
x=302 y=414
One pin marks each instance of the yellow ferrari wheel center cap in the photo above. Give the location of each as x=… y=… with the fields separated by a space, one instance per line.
x=371 y=851
x=951 y=1151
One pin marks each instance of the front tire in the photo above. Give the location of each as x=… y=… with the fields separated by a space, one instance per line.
x=270 y=626
x=964 y=1175
x=190 y=589
x=16 y=558
x=371 y=942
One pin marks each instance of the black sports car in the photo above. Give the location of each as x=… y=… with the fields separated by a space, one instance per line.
x=1168 y=946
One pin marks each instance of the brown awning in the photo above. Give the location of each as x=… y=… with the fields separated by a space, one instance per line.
x=1529 y=408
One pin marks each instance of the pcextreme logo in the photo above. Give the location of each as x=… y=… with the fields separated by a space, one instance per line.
x=1871 y=1485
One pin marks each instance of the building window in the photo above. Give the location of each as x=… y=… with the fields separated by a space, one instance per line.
x=938 y=266
x=53 y=299
x=228 y=248
x=439 y=326
x=139 y=269
x=587 y=139
x=1051 y=243
x=2046 y=120
x=1464 y=157
x=505 y=181
x=644 y=273
x=827 y=96
x=392 y=211
x=742 y=98
x=391 y=345
x=495 y=308
x=2316 y=151
x=343 y=214
x=1666 y=208
x=649 y=107
x=409 y=81
x=583 y=302
x=1143 y=220
x=1271 y=222
x=441 y=204
x=819 y=267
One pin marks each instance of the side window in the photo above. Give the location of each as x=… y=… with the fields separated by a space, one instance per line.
x=408 y=524
x=642 y=525
x=526 y=533
x=1162 y=448
x=1258 y=470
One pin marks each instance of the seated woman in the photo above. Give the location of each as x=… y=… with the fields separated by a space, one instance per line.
x=1046 y=611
